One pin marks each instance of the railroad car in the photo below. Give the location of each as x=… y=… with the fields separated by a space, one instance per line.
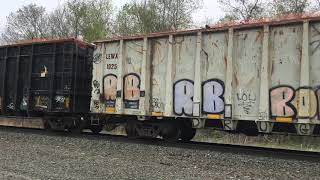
x=256 y=76
x=50 y=79
x=251 y=77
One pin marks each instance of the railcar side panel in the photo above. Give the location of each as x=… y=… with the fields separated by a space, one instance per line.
x=132 y=69
x=267 y=74
x=213 y=73
x=40 y=77
x=97 y=103
x=184 y=53
x=159 y=56
x=247 y=55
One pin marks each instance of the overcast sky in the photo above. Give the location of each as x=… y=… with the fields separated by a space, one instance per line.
x=210 y=9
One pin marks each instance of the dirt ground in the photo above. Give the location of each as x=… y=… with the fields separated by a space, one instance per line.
x=29 y=154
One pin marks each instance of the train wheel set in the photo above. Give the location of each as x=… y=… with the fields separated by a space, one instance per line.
x=170 y=130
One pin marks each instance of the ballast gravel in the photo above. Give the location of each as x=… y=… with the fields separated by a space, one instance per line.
x=29 y=154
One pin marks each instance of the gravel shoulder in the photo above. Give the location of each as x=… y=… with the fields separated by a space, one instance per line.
x=38 y=155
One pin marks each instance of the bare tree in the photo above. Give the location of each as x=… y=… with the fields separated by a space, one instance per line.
x=242 y=9
x=75 y=13
x=280 y=7
x=59 y=23
x=28 y=22
x=177 y=14
x=316 y=5
x=93 y=19
x=138 y=17
x=143 y=16
x=89 y=19
x=97 y=22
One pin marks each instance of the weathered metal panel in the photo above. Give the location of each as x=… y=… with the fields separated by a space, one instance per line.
x=314 y=36
x=285 y=55
x=267 y=73
x=285 y=59
x=105 y=73
x=314 y=67
x=97 y=74
x=184 y=54
x=214 y=54
x=247 y=56
x=159 y=56
x=132 y=75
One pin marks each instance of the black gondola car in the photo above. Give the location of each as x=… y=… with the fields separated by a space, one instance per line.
x=45 y=77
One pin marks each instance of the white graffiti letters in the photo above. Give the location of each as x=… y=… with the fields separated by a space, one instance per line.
x=213 y=101
x=183 y=97
x=212 y=97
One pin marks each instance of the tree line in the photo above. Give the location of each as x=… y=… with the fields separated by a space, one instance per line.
x=247 y=9
x=98 y=19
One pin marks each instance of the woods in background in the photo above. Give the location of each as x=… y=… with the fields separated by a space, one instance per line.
x=90 y=19
x=247 y=9
x=98 y=19
x=155 y=15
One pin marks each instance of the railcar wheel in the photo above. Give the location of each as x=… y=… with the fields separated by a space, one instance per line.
x=96 y=129
x=171 y=132
x=187 y=132
x=131 y=129
x=77 y=126
x=248 y=128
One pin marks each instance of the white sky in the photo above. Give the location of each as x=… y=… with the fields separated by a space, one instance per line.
x=210 y=9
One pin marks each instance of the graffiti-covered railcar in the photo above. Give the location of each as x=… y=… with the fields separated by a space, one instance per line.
x=262 y=75
x=45 y=77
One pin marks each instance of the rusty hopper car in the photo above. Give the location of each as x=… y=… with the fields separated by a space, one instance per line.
x=254 y=76
x=49 y=78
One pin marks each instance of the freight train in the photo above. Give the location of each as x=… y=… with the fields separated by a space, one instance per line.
x=256 y=76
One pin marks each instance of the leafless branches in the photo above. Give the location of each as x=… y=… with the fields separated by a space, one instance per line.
x=242 y=9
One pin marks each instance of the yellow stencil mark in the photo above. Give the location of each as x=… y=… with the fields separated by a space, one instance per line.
x=214 y=116
x=284 y=119
x=156 y=113
x=110 y=110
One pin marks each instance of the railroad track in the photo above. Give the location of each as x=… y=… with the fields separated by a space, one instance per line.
x=220 y=148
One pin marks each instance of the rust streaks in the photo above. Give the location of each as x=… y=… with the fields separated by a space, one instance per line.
x=272 y=68
x=215 y=44
x=236 y=80
x=226 y=61
x=259 y=36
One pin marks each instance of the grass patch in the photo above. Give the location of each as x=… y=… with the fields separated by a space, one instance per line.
x=302 y=143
